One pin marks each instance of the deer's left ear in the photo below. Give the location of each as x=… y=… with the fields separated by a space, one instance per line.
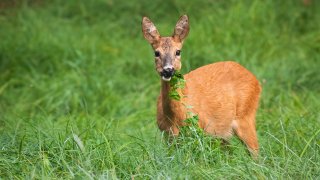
x=182 y=29
x=150 y=31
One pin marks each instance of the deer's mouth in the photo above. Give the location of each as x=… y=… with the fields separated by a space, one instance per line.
x=165 y=78
x=167 y=75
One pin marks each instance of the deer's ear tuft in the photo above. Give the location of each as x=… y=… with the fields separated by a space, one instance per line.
x=150 y=31
x=182 y=29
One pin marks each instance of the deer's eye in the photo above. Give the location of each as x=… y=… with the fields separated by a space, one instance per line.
x=178 y=52
x=157 y=54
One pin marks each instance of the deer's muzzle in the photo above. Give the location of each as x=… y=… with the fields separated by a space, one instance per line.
x=167 y=73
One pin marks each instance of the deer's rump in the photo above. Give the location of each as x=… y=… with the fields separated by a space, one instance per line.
x=222 y=94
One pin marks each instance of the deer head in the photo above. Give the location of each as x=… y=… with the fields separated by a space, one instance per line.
x=167 y=50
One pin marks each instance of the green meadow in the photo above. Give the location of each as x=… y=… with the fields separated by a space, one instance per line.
x=78 y=89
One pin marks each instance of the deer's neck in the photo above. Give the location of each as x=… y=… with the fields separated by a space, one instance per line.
x=172 y=109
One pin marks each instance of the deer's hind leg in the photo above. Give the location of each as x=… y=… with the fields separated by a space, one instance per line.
x=246 y=131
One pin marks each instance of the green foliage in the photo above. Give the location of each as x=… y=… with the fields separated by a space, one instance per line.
x=191 y=128
x=78 y=89
x=193 y=135
x=177 y=82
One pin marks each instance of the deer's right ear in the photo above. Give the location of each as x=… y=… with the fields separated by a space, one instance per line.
x=150 y=31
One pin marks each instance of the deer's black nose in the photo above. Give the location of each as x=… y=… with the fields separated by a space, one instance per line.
x=167 y=72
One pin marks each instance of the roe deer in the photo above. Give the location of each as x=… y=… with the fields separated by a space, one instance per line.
x=224 y=95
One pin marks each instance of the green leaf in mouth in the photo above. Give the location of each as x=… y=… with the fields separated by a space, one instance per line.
x=177 y=81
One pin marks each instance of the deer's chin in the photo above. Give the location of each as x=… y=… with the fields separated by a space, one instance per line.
x=165 y=79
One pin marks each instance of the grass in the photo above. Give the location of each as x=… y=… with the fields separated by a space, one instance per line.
x=78 y=89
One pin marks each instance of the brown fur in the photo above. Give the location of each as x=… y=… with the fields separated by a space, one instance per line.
x=225 y=95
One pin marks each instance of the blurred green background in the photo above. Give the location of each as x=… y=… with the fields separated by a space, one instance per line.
x=78 y=87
